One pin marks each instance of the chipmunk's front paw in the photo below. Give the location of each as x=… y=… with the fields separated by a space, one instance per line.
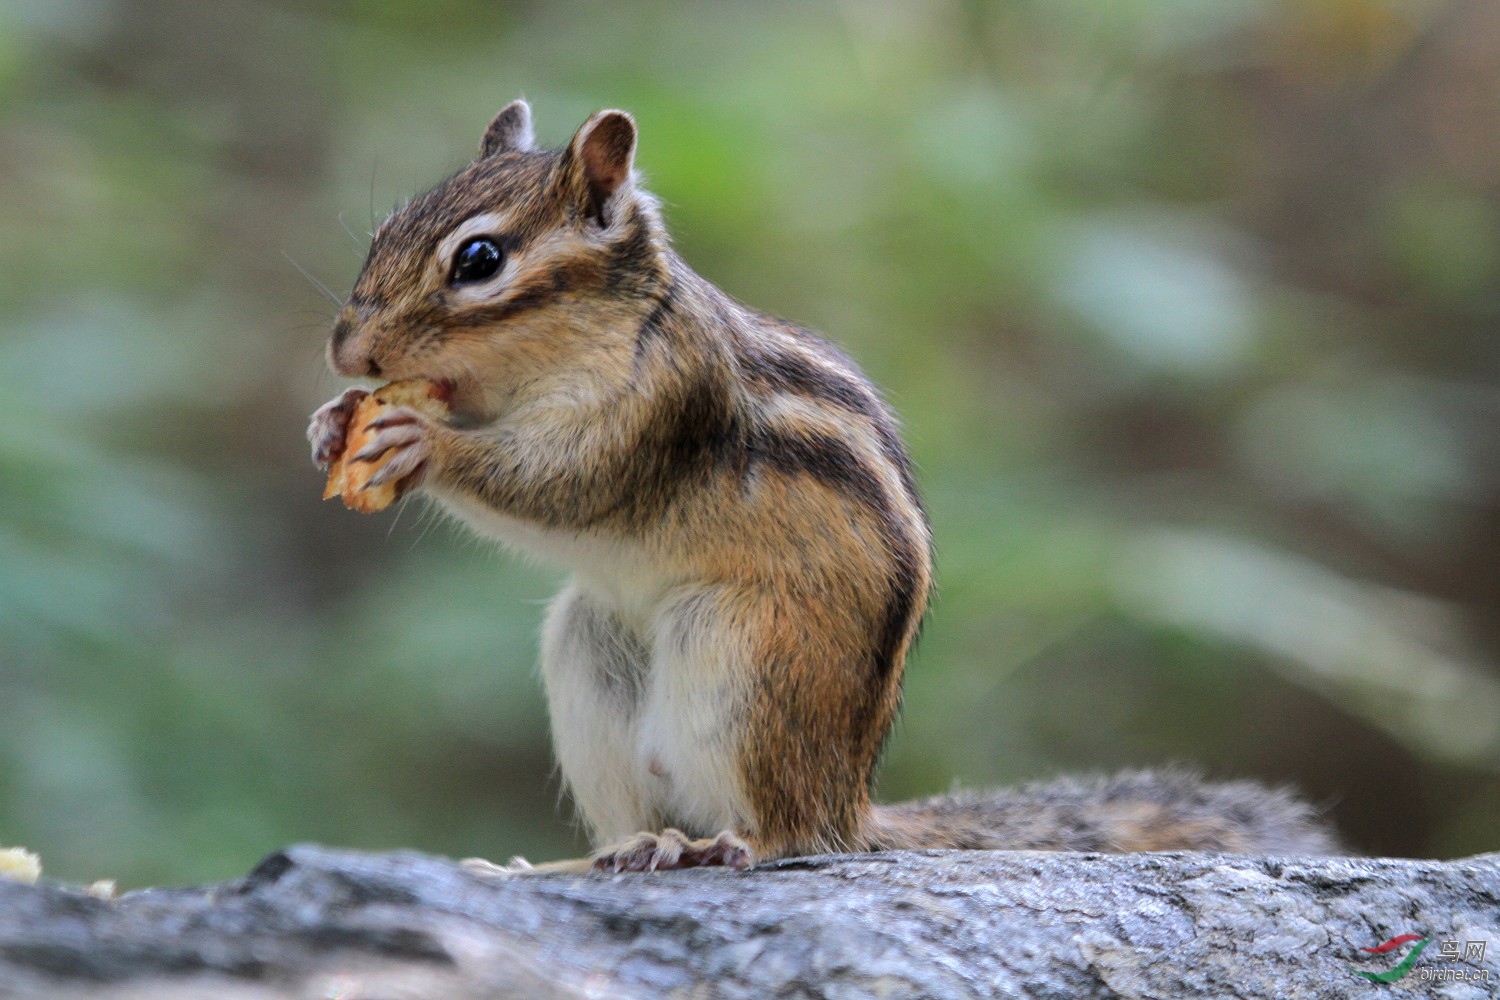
x=328 y=428
x=650 y=852
x=403 y=436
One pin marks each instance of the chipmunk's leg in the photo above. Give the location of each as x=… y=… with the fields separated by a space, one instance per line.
x=620 y=716
x=690 y=713
x=816 y=708
x=723 y=663
x=594 y=669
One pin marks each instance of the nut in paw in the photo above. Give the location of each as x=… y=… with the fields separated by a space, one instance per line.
x=383 y=441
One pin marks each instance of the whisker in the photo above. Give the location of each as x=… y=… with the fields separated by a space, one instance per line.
x=349 y=232
x=428 y=521
x=373 y=168
x=312 y=280
x=400 y=509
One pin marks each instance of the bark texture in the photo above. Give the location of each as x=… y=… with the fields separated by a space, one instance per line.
x=315 y=922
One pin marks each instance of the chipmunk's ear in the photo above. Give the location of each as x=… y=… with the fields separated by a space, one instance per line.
x=509 y=132
x=597 y=163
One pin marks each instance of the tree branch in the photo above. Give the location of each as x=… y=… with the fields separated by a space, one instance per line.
x=311 y=921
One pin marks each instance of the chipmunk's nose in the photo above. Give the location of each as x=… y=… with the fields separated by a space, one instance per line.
x=346 y=354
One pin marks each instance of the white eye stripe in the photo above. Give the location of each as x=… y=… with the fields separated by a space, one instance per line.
x=488 y=224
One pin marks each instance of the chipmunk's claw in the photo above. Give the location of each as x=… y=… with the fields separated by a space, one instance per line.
x=403 y=434
x=671 y=849
x=328 y=428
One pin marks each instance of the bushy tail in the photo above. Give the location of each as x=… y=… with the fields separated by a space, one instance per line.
x=1163 y=810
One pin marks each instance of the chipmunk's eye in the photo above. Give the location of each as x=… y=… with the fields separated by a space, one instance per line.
x=476 y=260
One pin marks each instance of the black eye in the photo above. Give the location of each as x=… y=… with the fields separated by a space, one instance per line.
x=476 y=260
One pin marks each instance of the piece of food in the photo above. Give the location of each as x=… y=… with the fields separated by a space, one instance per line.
x=104 y=888
x=346 y=477
x=20 y=865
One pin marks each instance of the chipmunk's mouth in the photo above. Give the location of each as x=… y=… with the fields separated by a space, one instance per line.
x=445 y=388
x=464 y=399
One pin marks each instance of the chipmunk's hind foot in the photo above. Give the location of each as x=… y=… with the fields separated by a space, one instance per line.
x=650 y=852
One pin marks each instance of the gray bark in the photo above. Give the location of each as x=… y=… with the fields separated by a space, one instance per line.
x=315 y=922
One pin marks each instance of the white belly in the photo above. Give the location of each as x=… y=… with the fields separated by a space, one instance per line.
x=643 y=720
x=644 y=683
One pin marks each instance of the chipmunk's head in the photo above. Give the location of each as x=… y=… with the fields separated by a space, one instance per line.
x=521 y=267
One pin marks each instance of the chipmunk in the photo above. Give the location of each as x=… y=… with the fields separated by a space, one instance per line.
x=750 y=556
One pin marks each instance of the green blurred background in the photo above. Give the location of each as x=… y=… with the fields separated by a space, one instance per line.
x=1189 y=306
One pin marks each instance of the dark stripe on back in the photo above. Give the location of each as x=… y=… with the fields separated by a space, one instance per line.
x=703 y=428
x=831 y=461
x=899 y=624
x=827 y=459
x=791 y=373
x=901 y=604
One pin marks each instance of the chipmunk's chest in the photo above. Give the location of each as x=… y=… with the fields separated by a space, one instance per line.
x=624 y=574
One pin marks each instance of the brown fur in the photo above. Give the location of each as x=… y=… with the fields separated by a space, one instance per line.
x=1167 y=810
x=606 y=393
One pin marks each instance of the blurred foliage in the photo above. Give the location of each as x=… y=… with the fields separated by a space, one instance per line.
x=1190 y=308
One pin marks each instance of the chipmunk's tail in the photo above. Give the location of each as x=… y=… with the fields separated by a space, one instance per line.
x=1160 y=810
